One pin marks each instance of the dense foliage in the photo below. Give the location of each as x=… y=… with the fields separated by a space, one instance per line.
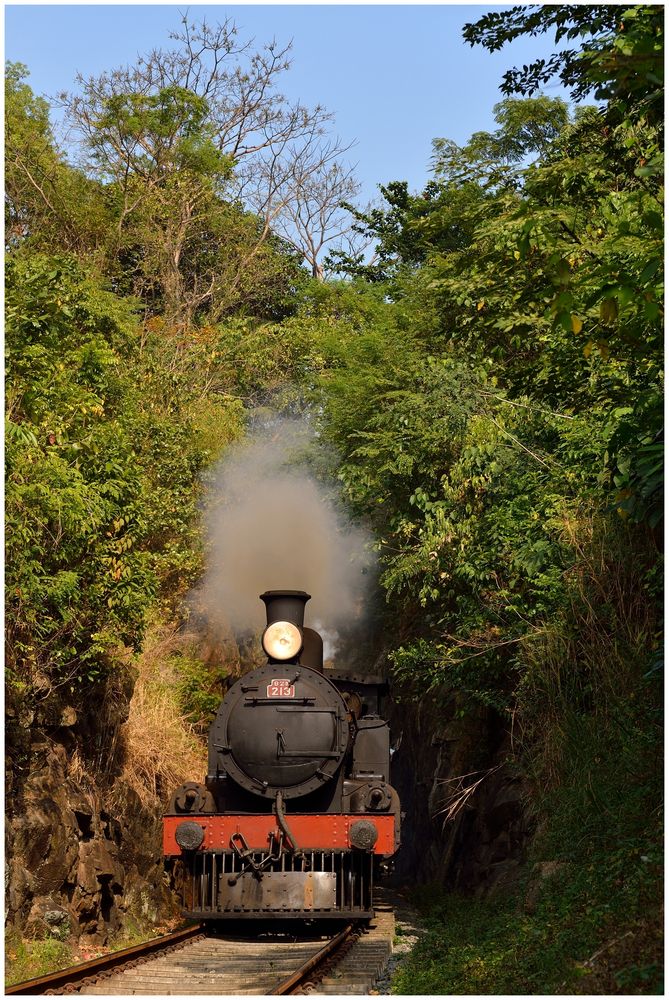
x=523 y=411
x=502 y=427
x=102 y=457
x=492 y=946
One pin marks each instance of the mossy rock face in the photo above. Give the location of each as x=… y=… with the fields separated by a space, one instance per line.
x=74 y=869
x=19 y=885
x=34 y=834
x=48 y=920
x=58 y=922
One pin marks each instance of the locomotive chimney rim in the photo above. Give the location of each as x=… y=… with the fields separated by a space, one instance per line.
x=285 y=606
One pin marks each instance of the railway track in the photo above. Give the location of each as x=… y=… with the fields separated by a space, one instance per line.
x=199 y=962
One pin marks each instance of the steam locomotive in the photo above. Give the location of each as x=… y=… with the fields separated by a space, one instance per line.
x=296 y=816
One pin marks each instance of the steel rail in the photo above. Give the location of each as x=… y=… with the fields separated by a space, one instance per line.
x=77 y=973
x=286 y=985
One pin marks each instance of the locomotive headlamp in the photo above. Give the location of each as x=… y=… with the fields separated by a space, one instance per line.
x=282 y=640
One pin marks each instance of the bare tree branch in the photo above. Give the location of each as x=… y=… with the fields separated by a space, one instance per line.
x=211 y=88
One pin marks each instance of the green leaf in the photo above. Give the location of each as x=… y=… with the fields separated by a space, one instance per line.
x=608 y=310
x=650 y=270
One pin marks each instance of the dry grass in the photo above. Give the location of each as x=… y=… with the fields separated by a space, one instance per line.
x=459 y=791
x=589 y=660
x=160 y=748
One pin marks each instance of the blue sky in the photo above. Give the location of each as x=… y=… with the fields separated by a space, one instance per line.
x=396 y=76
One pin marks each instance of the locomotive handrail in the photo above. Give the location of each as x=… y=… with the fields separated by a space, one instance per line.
x=252 y=700
x=312 y=711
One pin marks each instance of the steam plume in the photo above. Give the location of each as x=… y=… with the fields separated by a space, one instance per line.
x=271 y=526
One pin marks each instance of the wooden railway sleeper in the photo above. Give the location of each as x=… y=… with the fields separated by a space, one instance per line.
x=321 y=966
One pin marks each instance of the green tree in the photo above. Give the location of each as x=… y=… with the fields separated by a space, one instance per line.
x=48 y=204
x=539 y=403
x=620 y=60
x=444 y=216
x=78 y=580
x=103 y=459
x=206 y=160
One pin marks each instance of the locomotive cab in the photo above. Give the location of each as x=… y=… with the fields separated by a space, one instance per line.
x=297 y=810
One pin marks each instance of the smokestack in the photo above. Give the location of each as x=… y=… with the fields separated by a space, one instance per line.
x=312 y=650
x=288 y=606
x=285 y=606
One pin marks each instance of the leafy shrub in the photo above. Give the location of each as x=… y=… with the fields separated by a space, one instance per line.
x=103 y=474
x=79 y=576
x=199 y=689
x=594 y=931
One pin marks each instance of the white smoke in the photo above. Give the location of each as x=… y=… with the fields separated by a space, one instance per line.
x=271 y=526
x=330 y=640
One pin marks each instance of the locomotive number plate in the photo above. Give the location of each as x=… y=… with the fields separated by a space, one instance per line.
x=280 y=687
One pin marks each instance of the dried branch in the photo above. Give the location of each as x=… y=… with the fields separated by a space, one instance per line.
x=457 y=799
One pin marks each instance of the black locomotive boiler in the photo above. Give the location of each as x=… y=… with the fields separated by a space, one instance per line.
x=297 y=814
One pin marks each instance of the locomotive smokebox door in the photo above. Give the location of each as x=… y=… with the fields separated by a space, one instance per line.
x=281 y=727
